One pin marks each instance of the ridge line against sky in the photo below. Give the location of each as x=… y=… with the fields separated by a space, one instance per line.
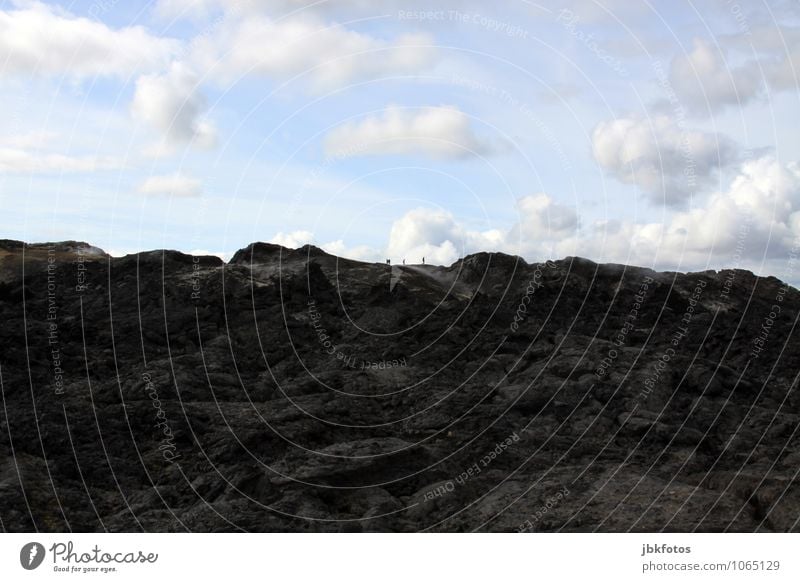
x=660 y=134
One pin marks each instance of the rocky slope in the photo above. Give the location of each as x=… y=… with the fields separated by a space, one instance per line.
x=291 y=390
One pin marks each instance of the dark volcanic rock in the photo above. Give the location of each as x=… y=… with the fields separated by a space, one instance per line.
x=292 y=390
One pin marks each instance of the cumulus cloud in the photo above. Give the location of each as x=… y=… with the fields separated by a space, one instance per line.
x=299 y=238
x=667 y=161
x=195 y=9
x=26 y=154
x=421 y=232
x=543 y=219
x=434 y=235
x=753 y=222
x=38 y=38
x=293 y=240
x=439 y=132
x=712 y=77
x=177 y=184
x=200 y=9
x=439 y=237
x=172 y=104
x=778 y=50
x=358 y=253
x=704 y=79
x=28 y=140
x=782 y=49
x=19 y=161
x=224 y=255
x=328 y=55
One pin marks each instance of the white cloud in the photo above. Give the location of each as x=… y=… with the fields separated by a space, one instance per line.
x=543 y=219
x=172 y=104
x=177 y=9
x=358 y=253
x=440 y=238
x=299 y=238
x=439 y=132
x=707 y=78
x=42 y=39
x=778 y=49
x=754 y=224
x=176 y=184
x=592 y=12
x=343 y=9
x=704 y=79
x=782 y=49
x=755 y=221
x=31 y=161
x=224 y=255
x=422 y=232
x=433 y=234
x=29 y=140
x=330 y=55
x=668 y=162
x=293 y=240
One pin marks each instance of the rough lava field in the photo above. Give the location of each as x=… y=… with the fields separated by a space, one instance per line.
x=291 y=390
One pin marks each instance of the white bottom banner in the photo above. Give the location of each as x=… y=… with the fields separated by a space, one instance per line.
x=400 y=557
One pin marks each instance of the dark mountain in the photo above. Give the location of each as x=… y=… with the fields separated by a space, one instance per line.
x=292 y=390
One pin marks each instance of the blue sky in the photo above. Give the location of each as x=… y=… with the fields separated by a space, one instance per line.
x=662 y=134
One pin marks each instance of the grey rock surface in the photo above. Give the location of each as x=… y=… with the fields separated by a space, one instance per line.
x=292 y=390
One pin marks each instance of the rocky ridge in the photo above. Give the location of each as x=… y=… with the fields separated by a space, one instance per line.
x=292 y=390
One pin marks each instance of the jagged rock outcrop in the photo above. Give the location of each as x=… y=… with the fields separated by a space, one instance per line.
x=292 y=390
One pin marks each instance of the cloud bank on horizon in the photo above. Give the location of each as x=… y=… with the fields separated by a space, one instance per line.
x=659 y=135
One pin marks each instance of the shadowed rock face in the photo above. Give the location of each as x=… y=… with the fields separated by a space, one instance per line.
x=291 y=390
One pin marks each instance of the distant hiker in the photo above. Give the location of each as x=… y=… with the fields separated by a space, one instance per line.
x=423 y=260
x=388 y=262
x=404 y=261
